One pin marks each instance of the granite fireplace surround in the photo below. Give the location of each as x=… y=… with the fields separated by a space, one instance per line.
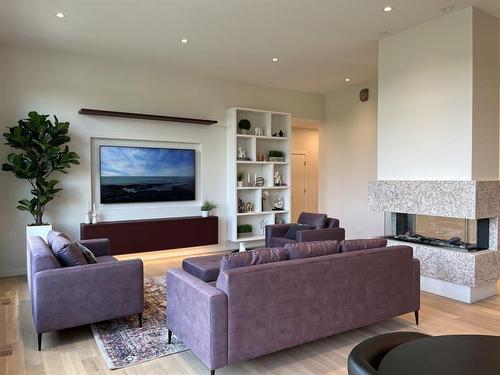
x=453 y=273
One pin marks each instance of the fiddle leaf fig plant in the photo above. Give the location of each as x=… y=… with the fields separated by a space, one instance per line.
x=42 y=149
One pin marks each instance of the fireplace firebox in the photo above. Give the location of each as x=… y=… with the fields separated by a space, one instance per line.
x=465 y=234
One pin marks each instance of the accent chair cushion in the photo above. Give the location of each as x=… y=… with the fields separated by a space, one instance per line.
x=317 y=221
x=311 y=249
x=291 y=234
x=67 y=252
x=87 y=254
x=252 y=258
x=355 y=245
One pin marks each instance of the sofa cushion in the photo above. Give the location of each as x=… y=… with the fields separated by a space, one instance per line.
x=67 y=252
x=291 y=234
x=252 y=258
x=51 y=236
x=317 y=221
x=87 y=254
x=205 y=268
x=354 y=245
x=311 y=249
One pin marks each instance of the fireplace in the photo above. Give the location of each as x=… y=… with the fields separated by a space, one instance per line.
x=464 y=234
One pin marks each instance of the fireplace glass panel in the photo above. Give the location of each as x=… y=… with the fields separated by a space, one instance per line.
x=464 y=234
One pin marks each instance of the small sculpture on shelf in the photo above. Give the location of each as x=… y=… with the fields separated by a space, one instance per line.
x=277 y=179
x=262 y=224
x=249 y=207
x=241 y=206
x=258 y=132
x=277 y=202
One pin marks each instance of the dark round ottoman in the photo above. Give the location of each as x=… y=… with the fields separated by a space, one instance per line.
x=365 y=358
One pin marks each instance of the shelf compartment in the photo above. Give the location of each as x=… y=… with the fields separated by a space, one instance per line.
x=255 y=222
x=258 y=119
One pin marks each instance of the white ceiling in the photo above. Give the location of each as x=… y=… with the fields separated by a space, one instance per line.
x=319 y=42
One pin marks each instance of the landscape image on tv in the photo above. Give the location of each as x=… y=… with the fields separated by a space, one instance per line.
x=146 y=174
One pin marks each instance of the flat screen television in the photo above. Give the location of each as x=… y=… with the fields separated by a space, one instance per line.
x=147 y=174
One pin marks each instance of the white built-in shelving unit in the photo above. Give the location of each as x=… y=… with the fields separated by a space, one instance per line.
x=254 y=145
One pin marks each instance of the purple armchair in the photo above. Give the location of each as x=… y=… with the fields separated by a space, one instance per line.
x=324 y=229
x=63 y=297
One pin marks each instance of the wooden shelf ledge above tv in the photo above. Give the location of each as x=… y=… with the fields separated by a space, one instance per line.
x=144 y=116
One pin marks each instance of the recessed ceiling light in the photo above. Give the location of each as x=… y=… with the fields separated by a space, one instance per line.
x=347 y=80
x=387 y=9
x=447 y=9
x=275 y=59
x=184 y=40
x=383 y=34
x=60 y=15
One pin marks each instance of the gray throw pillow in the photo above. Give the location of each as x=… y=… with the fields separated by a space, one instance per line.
x=87 y=254
x=311 y=249
x=355 y=245
x=67 y=252
x=291 y=234
x=252 y=258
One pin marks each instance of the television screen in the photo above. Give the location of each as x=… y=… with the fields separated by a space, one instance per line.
x=147 y=174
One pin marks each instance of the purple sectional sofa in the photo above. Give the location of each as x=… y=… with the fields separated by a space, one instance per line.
x=63 y=297
x=259 y=309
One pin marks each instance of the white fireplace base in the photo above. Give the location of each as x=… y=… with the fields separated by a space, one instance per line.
x=457 y=292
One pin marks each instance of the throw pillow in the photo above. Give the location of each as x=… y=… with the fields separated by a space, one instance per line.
x=311 y=249
x=87 y=254
x=291 y=234
x=67 y=252
x=252 y=258
x=355 y=245
x=52 y=235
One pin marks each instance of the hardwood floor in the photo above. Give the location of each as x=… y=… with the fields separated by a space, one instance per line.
x=73 y=351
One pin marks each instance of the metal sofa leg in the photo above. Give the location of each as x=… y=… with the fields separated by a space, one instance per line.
x=39 y=342
x=416 y=317
x=140 y=319
x=169 y=336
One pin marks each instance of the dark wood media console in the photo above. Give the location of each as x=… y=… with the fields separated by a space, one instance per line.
x=133 y=236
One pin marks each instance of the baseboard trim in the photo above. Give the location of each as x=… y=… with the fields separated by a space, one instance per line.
x=13 y=272
x=457 y=292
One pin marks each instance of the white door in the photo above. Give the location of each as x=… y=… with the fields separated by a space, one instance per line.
x=299 y=185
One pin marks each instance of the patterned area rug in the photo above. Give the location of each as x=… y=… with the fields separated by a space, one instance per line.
x=121 y=341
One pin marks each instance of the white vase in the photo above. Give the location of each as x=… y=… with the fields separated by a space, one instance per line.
x=204 y=213
x=242 y=247
x=240 y=184
x=34 y=230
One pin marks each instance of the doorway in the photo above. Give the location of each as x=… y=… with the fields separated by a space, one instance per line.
x=305 y=166
x=299 y=184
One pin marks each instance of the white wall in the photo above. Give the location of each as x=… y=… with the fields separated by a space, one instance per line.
x=348 y=160
x=61 y=84
x=306 y=140
x=432 y=99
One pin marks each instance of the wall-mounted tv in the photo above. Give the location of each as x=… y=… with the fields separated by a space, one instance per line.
x=147 y=174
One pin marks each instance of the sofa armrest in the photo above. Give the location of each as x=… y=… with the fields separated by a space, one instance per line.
x=197 y=315
x=416 y=283
x=100 y=246
x=327 y=234
x=275 y=230
x=72 y=296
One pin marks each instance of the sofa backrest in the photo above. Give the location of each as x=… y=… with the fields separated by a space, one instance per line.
x=279 y=305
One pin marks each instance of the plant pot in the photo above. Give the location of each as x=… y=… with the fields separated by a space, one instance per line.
x=205 y=213
x=34 y=230
x=240 y=184
x=277 y=158
x=243 y=131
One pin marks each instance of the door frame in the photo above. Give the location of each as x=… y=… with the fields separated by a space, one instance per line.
x=306 y=183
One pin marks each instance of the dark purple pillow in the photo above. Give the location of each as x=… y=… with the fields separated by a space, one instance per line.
x=252 y=258
x=67 y=252
x=311 y=249
x=291 y=233
x=355 y=245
